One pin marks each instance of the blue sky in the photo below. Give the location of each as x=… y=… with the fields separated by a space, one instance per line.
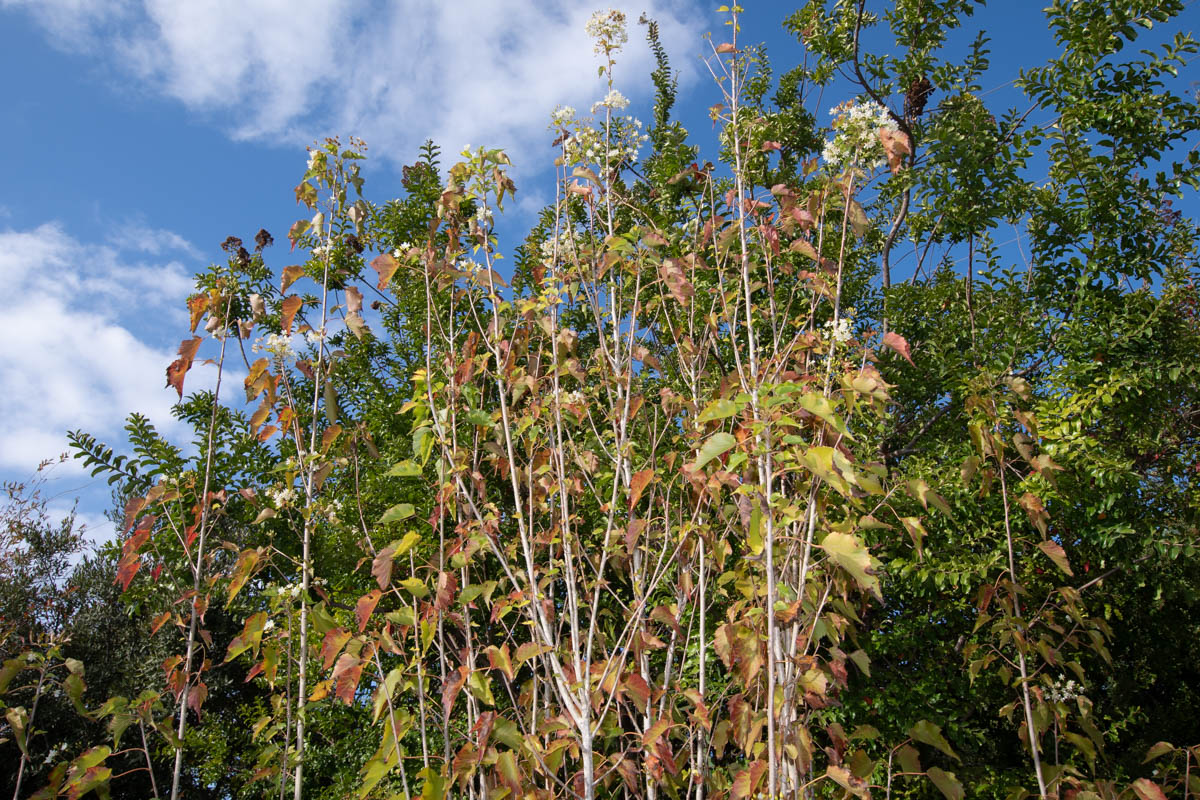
x=138 y=134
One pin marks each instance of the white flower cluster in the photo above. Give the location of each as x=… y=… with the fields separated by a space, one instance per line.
x=282 y=497
x=315 y=337
x=614 y=100
x=842 y=330
x=565 y=248
x=586 y=145
x=1060 y=692
x=276 y=344
x=855 y=141
x=316 y=159
x=608 y=29
x=562 y=116
x=574 y=398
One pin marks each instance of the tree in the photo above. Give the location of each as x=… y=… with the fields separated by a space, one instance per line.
x=709 y=501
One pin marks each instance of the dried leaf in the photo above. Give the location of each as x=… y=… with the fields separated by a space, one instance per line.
x=386 y=266
x=180 y=366
x=290 y=275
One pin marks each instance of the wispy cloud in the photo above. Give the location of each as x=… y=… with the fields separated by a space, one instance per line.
x=394 y=73
x=72 y=355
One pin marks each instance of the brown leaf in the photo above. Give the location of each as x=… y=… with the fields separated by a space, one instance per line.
x=180 y=366
x=447 y=588
x=196 y=696
x=291 y=275
x=726 y=47
x=898 y=343
x=196 y=307
x=453 y=685
x=354 y=299
x=896 y=146
x=1035 y=510
x=365 y=607
x=287 y=312
x=386 y=266
x=381 y=566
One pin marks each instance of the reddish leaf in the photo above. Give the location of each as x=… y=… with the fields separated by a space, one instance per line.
x=1055 y=552
x=673 y=275
x=896 y=342
x=726 y=47
x=159 y=621
x=290 y=275
x=196 y=696
x=771 y=146
x=1147 y=789
x=498 y=658
x=297 y=230
x=335 y=640
x=354 y=299
x=637 y=690
x=637 y=485
x=365 y=607
x=746 y=782
x=132 y=508
x=126 y=569
x=454 y=684
x=345 y=675
x=180 y=366
x=386 y=266
x=288 y=309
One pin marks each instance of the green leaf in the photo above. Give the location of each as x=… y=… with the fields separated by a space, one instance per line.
x=928 y=733
x=404 y=469
x=416 y=587
x=946 y=782
x=1157 y=750
x=715 y=445
x=818 y=405
x=720 y=409
x=398 y=512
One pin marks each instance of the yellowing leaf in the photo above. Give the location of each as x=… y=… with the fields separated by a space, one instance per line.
x=854 y=558
x=398 y=512
x=719 y=409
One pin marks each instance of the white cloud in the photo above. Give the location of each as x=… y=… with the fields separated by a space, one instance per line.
x=71 y=356
x=393 y=72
